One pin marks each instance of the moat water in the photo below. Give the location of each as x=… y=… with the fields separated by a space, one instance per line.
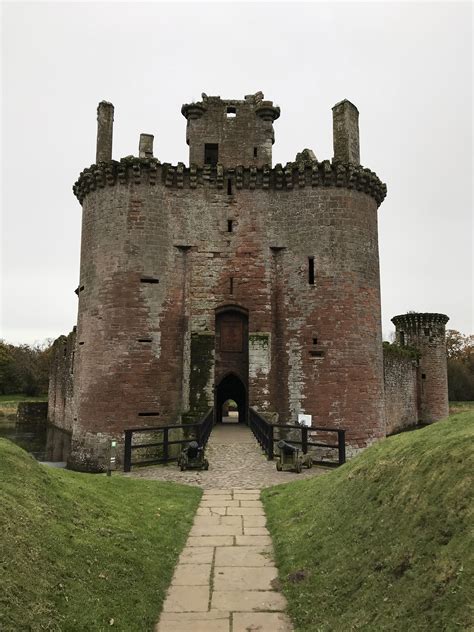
x=45 y=443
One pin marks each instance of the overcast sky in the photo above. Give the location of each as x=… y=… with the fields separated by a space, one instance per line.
x=406 y=66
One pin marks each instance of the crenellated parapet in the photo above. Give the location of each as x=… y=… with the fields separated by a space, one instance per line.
x=302 y=173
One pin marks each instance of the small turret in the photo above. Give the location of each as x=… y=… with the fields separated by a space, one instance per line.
x=427 y=334
x=230 y=132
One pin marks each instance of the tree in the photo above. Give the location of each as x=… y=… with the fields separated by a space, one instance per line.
x=460 y=352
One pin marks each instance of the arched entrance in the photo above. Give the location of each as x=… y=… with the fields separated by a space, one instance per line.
x=231 y=360
x=231 y=388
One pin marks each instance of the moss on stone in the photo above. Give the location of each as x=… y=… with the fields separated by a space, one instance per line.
x=402 y=352
x=202 y=349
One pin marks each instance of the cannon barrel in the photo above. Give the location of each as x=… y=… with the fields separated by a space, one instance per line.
x=287 y=448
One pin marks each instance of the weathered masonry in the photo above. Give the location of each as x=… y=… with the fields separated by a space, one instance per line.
x=232 y=279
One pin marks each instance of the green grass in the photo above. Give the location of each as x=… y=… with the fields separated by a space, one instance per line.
x=9 y=403
x=384 y=542
x=78 y=550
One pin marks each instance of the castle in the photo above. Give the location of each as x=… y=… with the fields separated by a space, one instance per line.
x=233 y=279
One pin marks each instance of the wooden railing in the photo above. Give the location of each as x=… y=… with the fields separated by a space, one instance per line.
x=264 y=432
x=159 y=451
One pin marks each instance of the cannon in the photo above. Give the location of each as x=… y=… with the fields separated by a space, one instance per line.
x=192 y=457
x=291 y=458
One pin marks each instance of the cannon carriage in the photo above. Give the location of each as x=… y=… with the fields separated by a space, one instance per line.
x=291 y=457
x=192 y=457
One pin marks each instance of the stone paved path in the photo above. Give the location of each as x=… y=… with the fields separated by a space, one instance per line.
x=235 y=460
x=225 y=580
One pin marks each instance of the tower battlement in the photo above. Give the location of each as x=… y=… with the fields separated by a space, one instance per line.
x=294 y=175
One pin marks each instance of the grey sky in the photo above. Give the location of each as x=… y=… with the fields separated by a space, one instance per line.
x=406 y=66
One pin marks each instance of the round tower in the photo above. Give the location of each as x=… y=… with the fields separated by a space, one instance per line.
x=427 y=334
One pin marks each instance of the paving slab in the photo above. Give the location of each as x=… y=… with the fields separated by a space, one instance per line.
x=241 y=578
x=245 y=511
x=248 y=600
x=220 y=529
x=254 y=521
x=252 y=540
x=196 y=555
x=261 y=622
x=192 y=575
x=211 y=540
x=187 y=599
x=255 y=531
x=244 y=556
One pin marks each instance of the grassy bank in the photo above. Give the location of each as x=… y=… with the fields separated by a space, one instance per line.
x=384 y=542
x=9 y=403
x=81 y=552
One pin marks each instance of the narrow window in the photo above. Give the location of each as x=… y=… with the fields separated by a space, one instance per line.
x=81 y=343
x=255 y=152
x=315 y=341
x=311 y=270
x=231 y=285
x=402 y=338
x=144 y=340
x=151 y=414
x=229 y=187
x=316 y=354
x=72 y=362
x=230 y=225
x=231 y=112
x=149 y=280
x=211 y=153
x=423 y=376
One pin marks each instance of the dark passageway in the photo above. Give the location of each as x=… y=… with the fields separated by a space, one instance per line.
x=231 y=387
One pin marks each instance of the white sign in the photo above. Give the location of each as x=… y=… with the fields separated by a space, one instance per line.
x=305 y=420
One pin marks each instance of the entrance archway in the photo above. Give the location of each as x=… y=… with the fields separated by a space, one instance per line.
x=231 y=372
x=231 y=388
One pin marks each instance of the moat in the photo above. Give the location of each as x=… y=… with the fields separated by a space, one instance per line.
x=43 y=442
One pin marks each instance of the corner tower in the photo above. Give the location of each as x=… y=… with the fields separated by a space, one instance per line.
x=230 y=132
x=427 y=334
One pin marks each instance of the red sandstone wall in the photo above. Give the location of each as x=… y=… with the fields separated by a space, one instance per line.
x=401 y=398
x=61 y=410
x=181 y=237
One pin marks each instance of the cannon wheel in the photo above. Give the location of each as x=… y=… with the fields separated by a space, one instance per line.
x=309 y=463
x=298 y=467
x=278 y=466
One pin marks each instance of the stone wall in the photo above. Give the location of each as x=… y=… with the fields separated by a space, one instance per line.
x=32 y=413
x=400 y=383
x=61 y=405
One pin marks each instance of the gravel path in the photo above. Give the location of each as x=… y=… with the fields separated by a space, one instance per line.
x=235 y=461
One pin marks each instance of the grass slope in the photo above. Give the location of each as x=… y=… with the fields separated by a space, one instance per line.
x=384 y=542
x=82 y=552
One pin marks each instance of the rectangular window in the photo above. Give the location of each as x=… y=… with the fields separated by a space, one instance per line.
x=151 y=414
x=316 y=354
x=144 y=340
x=315 y=341
x=229 y=187
x=230 y=225
x=255 y=152
x=231 y=112
x=231 y=285
x=149 y=280
x=402 y=338
x=211 y=153
x=311 y=270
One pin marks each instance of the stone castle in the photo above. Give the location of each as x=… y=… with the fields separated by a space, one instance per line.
x=235 y=279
